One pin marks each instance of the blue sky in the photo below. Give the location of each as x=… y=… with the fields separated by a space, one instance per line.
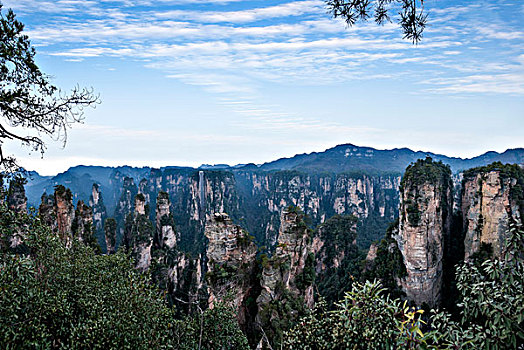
x=186 y=82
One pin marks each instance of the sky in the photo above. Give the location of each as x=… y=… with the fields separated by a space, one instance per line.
x=190 y=82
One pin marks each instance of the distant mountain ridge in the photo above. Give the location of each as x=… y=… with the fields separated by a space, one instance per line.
x=350 y=158
x=339 y=159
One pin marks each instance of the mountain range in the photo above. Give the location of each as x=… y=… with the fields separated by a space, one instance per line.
x=346 y=158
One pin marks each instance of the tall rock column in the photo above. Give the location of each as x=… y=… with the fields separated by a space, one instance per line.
x=425 y=219
x=231 y=264
x=288 y=263
x=125 y=205
x=286 y=277
x=16 y=199
x=165 y=257
x=166 y=236
x=138 y=236
x=47 y=212
x=110 y=235
x=16 y=202
x=82 y=226
x=492 y=196
x=65 y=211
x=99 y=212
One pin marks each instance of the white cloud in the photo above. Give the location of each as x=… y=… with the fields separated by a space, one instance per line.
x=296 y=8
x=485 y=83
x=225 y=52
x=499 y=32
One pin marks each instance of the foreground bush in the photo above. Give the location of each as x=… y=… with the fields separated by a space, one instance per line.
x=491 y=313
x=69 y=298
x=365 y=319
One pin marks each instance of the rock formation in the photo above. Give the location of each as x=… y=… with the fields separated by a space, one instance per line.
x=65 y=212
x=82 y=227
x=333 y=241
x=47 y=211
x=491 y=198
x=125 y=205
x=320 y=196
x=425 y=220
x=99 y=212
x=287 y=276
x=259 y=198
x=110 y=235
x=231 y=265
x=337 y=257
x=16 y=199
x=372 y=253
x=138 y=235
x=167 y=262
x=16 y=202
x=166 y=236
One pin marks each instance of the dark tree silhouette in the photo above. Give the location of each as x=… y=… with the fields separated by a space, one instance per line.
x=411 y=18
x=30 y=106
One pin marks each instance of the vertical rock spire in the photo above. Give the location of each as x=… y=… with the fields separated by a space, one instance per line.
x=424 y=226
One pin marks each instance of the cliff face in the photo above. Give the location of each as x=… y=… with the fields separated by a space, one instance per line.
x=170 y=268
x=231 y=265
x=337 y=257
x=258 y=198
x=285 y=270
x=425 y=220
x=490 y=199
x=320 y=196
x=138 y=236
x=333 y=241
x=287 y=277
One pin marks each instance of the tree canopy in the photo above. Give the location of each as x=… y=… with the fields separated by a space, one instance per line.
x=30 y=106
x=54 y=296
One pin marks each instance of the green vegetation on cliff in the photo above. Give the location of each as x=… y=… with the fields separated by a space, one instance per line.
x=339 y=255
x=425 y=171
x=388 y=265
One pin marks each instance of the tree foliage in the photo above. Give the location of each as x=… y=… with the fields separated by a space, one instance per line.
x=28 y=100
x=340 y=255
x=366 y=318
x=491 y=313
x=411 y=15
x=53 y=296
x=491 y=301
